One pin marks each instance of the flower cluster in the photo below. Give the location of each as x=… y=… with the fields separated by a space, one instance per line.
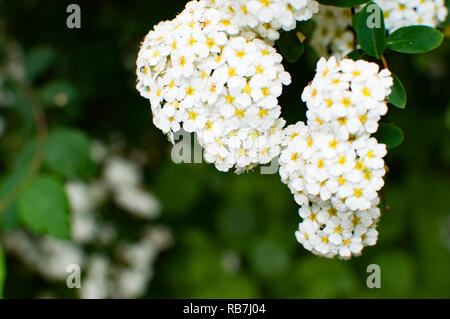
x=328 y=232
x=332 y=165
x=266 y=17
x=332 y=35
x=402 y=13
x=202 y=73
x=348 y=96
x=112 y=267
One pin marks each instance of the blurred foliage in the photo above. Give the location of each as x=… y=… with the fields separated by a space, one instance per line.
x=234 y=234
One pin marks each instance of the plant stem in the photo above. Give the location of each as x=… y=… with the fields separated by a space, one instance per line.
x=37 y=159
x=355 y=41
x=383 y=59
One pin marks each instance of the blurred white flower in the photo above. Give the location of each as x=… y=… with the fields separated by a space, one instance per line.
x=103 y=275
x=119 y=172
x=138 y=202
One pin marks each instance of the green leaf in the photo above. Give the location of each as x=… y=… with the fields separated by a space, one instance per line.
x=2 y=271
x=398 y=95
x=390 y=135
x=321 y=278
x=67 y=152
x=306 y=27
x=9 y=219
x=398 y=274
x=290 y=46
x=12 y=182
x=343 y=3
x=356 y=55
x=268 y=258
x=43 y=207
x=39 y=60
x=370 y=31
x=57 y=93
x=415 y=39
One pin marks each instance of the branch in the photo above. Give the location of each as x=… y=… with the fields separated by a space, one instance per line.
x=383 y=60
x=37 y=159
x=355 y=41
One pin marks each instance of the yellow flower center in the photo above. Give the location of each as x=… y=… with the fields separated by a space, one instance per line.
x=143 y=69
x=190 y=90
x=366 y=92
x=358 y=192
x=210 y=42
x=332 y=211
x=259 y=69
x=240 y=54
x=329 y=103
x=240 y=113
x=254 y=134
x=359 y=165
x=342 y=120
x=363 y=118
x=262 y=113
x=346 y=101
x=229 y=99
x=342 y=160
x=192 y=115
x=320 y=163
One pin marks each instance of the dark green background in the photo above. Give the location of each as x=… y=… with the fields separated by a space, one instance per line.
x=253 y=215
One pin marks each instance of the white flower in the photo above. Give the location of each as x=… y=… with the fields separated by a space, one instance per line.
x=268 y=16
x=121 y=172
x=401 y=13
x=327 y=232
x=348 y=96
x=332 y=166
x=207 y=72
x=332 y=34
x=138 y=202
